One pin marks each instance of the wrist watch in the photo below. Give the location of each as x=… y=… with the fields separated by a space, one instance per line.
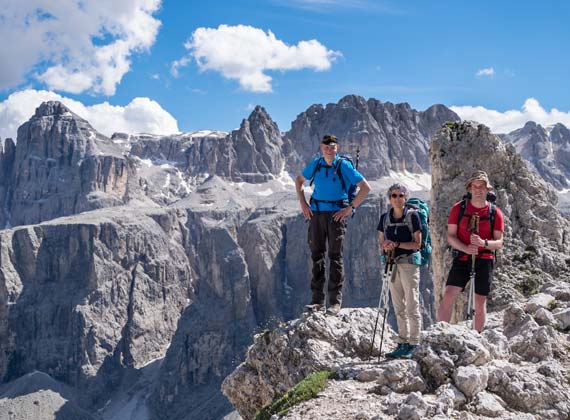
x=486 y=243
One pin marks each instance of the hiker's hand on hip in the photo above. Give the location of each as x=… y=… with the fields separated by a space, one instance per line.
x=307 y=213
x=342 y=214
x=476 y=240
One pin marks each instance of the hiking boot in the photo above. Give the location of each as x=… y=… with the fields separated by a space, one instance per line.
x=400 y=350
x=314 y=307
x=407 y=354
x=334 y=309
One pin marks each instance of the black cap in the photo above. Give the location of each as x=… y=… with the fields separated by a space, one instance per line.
x=329 y=138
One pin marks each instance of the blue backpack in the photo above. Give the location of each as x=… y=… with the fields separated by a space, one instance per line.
x=421 y=207
x=423 y=211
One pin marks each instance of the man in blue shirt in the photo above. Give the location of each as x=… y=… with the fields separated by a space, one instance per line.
x=327 y=213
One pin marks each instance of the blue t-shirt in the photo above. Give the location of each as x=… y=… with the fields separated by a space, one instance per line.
x=327 y=185
x=400 y=233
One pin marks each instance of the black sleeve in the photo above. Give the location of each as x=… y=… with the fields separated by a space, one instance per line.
x=380 y=226
x=416 y=222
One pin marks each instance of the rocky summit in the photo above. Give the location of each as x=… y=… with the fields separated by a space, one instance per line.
x=135 y=271
x=517 y=368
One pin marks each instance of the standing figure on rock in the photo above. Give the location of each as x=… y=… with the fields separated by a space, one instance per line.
x=400 y=230
x=327 y=213
x=469 y=245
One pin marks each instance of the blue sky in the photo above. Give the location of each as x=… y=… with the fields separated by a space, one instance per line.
x=501 y=63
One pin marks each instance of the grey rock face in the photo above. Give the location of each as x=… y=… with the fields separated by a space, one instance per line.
x=38 y=396
x=7 y=155
x=535 y=245
x=280 y=358
x=88 y=298
x=470 y=380
x=390 y=136
x=253 y=153
x=62 y=166
x=546 y=150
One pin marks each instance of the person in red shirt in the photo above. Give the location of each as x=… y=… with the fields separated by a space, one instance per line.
x=469 y=245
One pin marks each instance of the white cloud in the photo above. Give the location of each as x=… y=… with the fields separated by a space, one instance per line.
x=505 y=122
x=74 y=46
x=486 y=72
x=141 y=115
x=244 y=53
x=177 y=64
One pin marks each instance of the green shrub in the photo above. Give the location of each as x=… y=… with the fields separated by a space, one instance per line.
x=303 y=391
x=553 y=305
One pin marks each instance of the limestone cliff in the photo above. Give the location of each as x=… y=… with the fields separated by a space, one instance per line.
x=61 y=166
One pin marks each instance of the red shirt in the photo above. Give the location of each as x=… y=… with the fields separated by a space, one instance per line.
x=484 y=225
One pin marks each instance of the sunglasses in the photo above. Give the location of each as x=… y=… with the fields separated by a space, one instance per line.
x=397 y=195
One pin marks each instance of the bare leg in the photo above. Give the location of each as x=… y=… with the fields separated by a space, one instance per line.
x=480 y=311
x=446 y=305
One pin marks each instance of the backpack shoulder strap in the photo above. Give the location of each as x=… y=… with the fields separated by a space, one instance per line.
x=386 y=222
x=462 y=209
x=409 y=211
x=317 y=167
x=339 y=172
x=492 y=213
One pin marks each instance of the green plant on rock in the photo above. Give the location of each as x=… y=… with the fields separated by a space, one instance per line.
x=452 y=124
x=305 y=390
x=528 y=286
x=266 y=335
x=552 y=305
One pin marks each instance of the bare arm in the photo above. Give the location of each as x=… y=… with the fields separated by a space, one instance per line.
x=307 y=213
x=455 y=243
x=492 y=244
x=364 y=189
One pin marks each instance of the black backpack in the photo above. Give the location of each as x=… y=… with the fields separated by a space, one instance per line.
x=491 y=198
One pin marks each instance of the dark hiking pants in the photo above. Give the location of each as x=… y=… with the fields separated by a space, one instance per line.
x=325 y=233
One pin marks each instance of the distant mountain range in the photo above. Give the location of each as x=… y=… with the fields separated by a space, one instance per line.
x=547 y=150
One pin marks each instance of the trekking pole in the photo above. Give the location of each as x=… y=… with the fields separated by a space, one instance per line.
x=356 y=167
x=473 y=228
x=383 y=301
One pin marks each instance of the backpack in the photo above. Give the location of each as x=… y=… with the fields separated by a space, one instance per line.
x=491 y=198
x=421 y=207
x=351 y=191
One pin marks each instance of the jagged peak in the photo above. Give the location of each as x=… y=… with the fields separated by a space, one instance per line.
x=353 y=100
x=437 y=109
x=52 y=108
x=559 y=126
x=259 y=112
x=530 y=124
